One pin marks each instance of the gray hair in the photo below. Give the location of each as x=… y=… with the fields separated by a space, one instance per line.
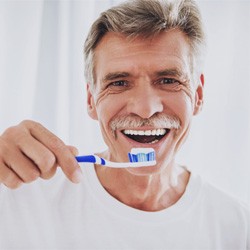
x=147 y=18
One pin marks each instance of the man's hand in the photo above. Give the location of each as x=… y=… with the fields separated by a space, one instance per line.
x=29 y=151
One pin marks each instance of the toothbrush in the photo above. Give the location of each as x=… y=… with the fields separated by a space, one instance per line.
x=139 y=157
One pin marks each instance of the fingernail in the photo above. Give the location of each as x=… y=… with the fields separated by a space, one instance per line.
x=77 y=176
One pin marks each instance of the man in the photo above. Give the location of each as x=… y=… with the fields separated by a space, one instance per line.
x=145 y=83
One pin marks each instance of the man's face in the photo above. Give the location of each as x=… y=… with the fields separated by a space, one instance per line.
x=140 y=84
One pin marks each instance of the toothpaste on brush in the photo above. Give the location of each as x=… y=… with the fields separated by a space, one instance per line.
x=139 y=157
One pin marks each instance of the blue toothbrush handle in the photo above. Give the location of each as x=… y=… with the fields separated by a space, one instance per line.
x=86 y=158
x=90 y=158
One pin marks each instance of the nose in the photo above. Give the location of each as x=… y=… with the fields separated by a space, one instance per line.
x=145 y=101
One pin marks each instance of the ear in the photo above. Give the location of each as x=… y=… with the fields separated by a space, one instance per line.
x=198 y=103
x=91 y=108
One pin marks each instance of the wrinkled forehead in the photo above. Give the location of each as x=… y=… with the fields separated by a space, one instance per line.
x=116 y=50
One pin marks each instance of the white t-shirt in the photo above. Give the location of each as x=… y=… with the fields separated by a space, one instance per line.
x=58 y=214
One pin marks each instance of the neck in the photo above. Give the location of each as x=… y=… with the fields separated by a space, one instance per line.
x=145 y=192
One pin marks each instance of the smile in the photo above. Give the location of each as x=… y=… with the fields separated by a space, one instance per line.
x=146 y=136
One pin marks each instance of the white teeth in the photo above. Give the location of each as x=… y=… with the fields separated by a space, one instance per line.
x=160 y=131
x=153 y=141
x=140 y=132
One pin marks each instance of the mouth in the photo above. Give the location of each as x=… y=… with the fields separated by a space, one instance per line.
x=146 y=136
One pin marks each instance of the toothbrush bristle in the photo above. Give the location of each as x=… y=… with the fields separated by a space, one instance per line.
x=142 y=155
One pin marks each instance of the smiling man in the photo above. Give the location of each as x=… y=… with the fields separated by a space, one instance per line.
x=144 y=95
x=144 y=84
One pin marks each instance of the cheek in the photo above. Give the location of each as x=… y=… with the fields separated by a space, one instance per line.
x=186 y=102
x=185 y=94
x=107 y=107
x=182 y=104
x=184 y=110
x=101 y=97
x=108 y=100
x=189 y=91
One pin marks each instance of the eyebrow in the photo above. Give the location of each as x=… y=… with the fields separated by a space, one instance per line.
x=114 y=76
x=165 y=72
x=171 y=72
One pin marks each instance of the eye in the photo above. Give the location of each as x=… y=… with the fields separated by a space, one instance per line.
x=120 y=83
x=168 y=81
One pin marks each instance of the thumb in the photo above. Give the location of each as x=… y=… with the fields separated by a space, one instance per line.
x=73 y=150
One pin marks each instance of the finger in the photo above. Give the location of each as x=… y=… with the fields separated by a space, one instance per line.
x=42 y=157
x=64 y=156
x=24 y=168
x=52 y=171
x=13 y=158
x=49 y=174
x=9 y=178
x=73 y=150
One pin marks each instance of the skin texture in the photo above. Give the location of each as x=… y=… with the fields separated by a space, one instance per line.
x=142 y=78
